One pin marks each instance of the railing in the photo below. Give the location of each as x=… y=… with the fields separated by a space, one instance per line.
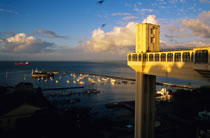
x=199 y=56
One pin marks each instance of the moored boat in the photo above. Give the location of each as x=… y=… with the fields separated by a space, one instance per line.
x=40 y=74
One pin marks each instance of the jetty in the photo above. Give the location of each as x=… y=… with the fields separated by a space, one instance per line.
x=60 y=94
x=64 y=88
x=40 y=74
x=129 y=79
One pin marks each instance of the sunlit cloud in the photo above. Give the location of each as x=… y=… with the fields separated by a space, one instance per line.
x=122 y=39
x=118 y=38
x=82 y=39
x=197 y=27
x=189 y=28
x=183 y=45
x=4 y=35
x=150 y=19
x=20 y=43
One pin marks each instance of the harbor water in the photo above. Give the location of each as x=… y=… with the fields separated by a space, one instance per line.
x=110 y=90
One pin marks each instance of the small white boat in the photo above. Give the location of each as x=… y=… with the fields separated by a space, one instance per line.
x=81 y=82
x=59 y=78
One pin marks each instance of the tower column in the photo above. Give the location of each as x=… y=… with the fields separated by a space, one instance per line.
x=145 y=105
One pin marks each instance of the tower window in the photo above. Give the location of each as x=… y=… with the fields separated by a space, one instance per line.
x=170 y=57
x=201 y=56
x=186 y=57
x=150 y=57
x=139 y=57
x=134 y=57
x=177 y=57
x=129 y=57
x=156 y=57
x=145 y=57
x=163 y=57
x=152 y=40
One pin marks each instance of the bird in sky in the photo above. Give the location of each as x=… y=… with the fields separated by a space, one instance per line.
x=100 y=2
x=103 y=25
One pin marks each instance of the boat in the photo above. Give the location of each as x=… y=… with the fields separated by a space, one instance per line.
x=41 y=74
x=21 y=63
x=163 y=94
x=94 y=91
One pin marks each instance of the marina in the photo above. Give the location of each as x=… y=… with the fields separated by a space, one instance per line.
x=41 y=74
x=106 y=95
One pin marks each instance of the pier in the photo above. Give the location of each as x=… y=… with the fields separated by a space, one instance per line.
x=64 y=88
x=129 y=79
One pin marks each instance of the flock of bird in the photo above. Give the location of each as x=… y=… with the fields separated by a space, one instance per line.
x=100 y=2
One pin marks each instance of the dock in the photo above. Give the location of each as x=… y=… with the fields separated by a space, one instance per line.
x=64 y=88
x=131 y=79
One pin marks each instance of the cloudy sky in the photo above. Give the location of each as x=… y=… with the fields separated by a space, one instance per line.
x=86 y=30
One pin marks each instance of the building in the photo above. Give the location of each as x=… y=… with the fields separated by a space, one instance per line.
x=148 y=62
x=9 y=120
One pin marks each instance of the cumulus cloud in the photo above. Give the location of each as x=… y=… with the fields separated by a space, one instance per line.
x=150 y=19
x=49 y=33
x=199 y=26
x=20 y=43
x=82 y=39
x=119 y=38
x=4 y=35
x=183 y=45
x=171 y=37
x=205 y=16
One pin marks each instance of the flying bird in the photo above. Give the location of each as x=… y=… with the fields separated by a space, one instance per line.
x=103 y=25
x=100 y=2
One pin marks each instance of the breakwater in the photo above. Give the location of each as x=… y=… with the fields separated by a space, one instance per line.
x=64 y=88
x=129 y=79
